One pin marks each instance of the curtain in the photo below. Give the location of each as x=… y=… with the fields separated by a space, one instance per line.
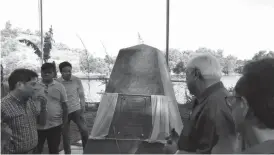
x=165 y=116
x=104 y=116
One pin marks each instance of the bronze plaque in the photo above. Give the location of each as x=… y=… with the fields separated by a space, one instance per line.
x=132 y=118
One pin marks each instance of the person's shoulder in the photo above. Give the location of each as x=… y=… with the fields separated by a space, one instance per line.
x=58 y=79
x=5 y=101
x=219 y=95
x=75 y=78
x=218 y=99
x=58 y=83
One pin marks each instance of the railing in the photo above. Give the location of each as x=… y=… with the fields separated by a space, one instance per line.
x=106 y=79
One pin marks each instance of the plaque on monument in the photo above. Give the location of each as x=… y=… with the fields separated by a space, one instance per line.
x=132 y=118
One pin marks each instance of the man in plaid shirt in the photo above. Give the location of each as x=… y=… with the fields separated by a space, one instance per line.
x=21 y=114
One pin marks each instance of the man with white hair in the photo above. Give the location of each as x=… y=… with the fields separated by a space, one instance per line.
x=210 y=124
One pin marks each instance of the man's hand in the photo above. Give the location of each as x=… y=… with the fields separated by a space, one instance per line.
x=65 y=113
x=43 y=101
x=65 y=120
x=83 y=106
x=172 y=140
x=6 y=134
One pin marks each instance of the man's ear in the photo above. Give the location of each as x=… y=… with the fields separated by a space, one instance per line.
x=19 y=84
x=197 y=74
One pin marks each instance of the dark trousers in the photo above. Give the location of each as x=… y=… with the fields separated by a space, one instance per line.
x=53 y=136
x=78 y=118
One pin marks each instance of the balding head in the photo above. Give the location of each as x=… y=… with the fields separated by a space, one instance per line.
x=207 y=64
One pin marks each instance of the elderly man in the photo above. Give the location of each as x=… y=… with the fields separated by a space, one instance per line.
x=211 y=122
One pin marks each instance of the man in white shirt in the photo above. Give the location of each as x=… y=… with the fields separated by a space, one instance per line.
x=76 y=104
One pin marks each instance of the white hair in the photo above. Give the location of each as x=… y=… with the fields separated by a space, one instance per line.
x=208 y=65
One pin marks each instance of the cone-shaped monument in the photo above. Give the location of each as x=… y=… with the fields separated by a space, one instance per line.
x=139 y=108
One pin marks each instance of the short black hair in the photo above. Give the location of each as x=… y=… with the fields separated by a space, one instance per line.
x=47 y=66
x=63 y=65
x=20 y=75
x=257 y=86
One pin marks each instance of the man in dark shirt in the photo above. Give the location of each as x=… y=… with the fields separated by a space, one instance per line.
x=210 y=124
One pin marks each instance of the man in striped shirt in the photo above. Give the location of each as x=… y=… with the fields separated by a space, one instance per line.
x=21 y=114
x=76 y=105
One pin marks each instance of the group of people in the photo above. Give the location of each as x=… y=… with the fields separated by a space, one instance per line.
x=34 y=110
x=225 y=122
x=220 y=122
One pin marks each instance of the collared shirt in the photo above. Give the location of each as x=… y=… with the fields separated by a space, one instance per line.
x=21 y=119
x=74 y=88
x=210 y=122
x=55 y=94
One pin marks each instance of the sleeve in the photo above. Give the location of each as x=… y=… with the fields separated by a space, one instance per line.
x=207 y=131
x=185 y=141
x=63 y=92
x=3 y=114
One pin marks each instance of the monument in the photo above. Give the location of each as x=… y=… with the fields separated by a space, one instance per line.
x=138 y=109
